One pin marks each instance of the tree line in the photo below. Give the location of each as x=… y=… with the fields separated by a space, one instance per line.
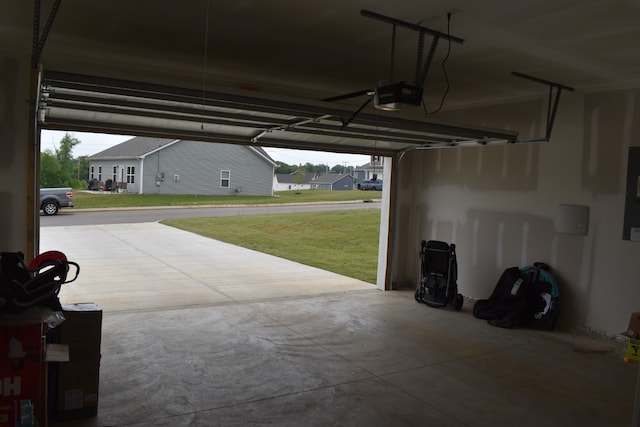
x=310 y=168
x=58 y=168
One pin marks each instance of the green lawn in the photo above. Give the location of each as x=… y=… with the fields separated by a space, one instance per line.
x=83 y=199
x=345 y=242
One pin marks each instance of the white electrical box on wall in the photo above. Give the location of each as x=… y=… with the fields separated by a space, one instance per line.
x=572 y=219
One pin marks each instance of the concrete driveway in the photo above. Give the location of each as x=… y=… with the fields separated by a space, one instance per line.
x=130 y=267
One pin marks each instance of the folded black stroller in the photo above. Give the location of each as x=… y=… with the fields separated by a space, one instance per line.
x=438 y=285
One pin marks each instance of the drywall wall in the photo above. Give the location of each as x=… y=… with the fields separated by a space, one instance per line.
x=499 y=204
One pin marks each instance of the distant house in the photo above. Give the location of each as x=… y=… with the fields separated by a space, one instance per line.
x=367 y=171
x=292 y=181
x=333 y=182
x=174 y=166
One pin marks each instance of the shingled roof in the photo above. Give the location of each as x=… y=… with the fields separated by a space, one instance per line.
x=141 y=146
x=290 y=178
x=135 y=147
x=329 y=178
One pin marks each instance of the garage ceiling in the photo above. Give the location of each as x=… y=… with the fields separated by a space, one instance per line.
x=251 y=71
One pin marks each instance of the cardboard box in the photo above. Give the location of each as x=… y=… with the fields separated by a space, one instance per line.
x=21 y=360
x=20 y=413
x=633 y=330
x=77 y=381
x=8 y=413
x=21 y=368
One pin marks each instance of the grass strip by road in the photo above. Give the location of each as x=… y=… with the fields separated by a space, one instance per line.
x=344 y=242
x=86 y=199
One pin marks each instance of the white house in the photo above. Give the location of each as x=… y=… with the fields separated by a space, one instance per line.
x=292 y=181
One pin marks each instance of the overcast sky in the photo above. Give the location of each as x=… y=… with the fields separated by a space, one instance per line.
x=92 y=143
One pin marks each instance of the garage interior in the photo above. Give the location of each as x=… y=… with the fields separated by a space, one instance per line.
x=189 y=338
x=489 y=171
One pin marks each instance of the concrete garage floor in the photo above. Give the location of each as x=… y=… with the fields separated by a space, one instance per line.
x=200 y=333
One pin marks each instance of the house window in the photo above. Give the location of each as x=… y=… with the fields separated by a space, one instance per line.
x=131 y=174
x=99 y=173
x=92 y=173
x=225 y=178
x=114 y=175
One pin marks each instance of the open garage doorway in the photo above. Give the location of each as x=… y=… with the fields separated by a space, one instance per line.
x=136 y=263
x=77 y=102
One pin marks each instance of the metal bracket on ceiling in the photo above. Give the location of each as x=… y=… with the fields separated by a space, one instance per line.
x=289 y=126
x=551 y=109
x=421 y=68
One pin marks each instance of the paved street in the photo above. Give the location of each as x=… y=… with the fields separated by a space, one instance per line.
x=72 y=216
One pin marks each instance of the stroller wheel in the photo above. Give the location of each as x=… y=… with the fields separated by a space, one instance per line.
x=459 y=302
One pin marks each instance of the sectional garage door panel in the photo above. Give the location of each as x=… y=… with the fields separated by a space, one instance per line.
x=89 y=103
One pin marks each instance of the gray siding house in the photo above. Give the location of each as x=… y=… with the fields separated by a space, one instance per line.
x=333 y=181
x=174 y=166
x=367 y=171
